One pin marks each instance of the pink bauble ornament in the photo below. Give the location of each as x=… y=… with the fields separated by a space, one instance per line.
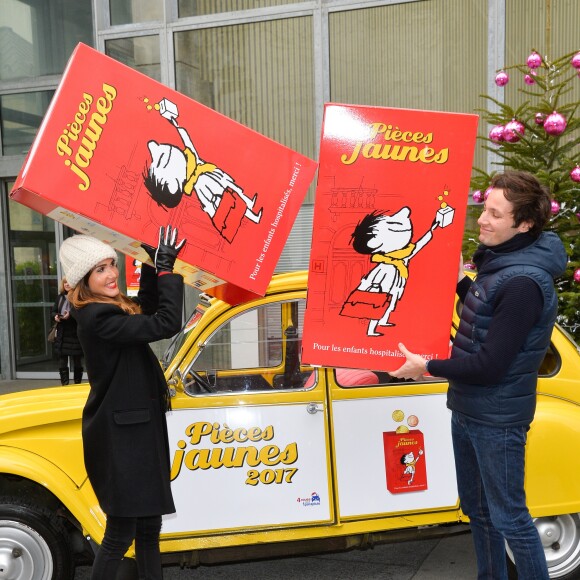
x=575 y=174
x=513 y=131
x=578 y=216
x=555 y=124
x=575 y=62
x=487 y=192
x=477 y=196
x=534 y=60
x=502 y=79
x=554 y=207
x=529 y=80
x=496 y=133
x=577 y=275
x=539 y=118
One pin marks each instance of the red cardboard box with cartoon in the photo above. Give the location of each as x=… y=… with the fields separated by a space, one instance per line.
x=118 y=155
x=405 y=461
x=405 y=457
x=389 y=213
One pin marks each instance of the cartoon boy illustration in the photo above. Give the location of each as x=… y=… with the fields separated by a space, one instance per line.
x=387 y=238
x=174 y=172
x=409 y=461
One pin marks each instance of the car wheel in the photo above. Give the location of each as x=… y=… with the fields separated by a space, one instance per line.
x=34 y=543
x=560 y=537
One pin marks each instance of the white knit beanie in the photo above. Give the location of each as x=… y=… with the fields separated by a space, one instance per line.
x=80 y=254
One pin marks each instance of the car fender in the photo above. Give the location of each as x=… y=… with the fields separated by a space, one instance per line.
x=552 y=460
x=79 y=500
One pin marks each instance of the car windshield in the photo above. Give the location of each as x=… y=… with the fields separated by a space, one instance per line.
x=178 y=340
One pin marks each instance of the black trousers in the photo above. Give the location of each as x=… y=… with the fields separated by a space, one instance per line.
x=77 y=361
x=119 y=534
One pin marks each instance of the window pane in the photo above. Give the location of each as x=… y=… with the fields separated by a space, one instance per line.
x=141 y=53
x=34 y=286
x=358 y=377
x=37 y=37
x=260 y=74
x=131 y=11
x=257 y=350
x=20 y=118
x=394 y=56
x=529 y=26
x=199 y=7
x=250 y=340
x=296 y=252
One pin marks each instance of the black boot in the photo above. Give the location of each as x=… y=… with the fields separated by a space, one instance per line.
x=78 y=373
x=63 y=376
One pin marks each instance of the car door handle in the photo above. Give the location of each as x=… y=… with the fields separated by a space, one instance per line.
x=313 y=408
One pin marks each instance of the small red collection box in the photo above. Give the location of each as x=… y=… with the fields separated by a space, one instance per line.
x=118 y=155
x=405 y=461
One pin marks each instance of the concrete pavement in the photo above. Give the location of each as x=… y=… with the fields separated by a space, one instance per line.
x=10 y=386
x=435 y=559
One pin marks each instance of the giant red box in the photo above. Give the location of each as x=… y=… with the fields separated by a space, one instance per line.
x=119 y=154
x=389 y=214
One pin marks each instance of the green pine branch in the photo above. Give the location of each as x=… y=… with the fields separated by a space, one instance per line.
x=550 y=158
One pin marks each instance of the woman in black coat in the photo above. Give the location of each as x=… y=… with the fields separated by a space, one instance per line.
x=125 y=441
x=67 y=343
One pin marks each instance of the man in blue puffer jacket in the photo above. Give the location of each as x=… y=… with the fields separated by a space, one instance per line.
x=507 y=318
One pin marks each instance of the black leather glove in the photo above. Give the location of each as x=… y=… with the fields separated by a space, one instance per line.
x=167 y=249
x=150 y=251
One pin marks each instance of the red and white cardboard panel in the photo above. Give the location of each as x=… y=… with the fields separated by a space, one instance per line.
x=389 y=214
x=118 y=155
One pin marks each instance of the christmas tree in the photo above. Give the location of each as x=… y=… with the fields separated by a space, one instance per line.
x=542 y=136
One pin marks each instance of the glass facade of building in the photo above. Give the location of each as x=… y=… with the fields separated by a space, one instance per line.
x=269 y=64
